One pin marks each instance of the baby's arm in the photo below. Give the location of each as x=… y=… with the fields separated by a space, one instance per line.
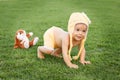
x=65 y=54
x=82 y=58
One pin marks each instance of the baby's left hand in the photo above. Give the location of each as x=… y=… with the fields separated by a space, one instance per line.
x=85 y=62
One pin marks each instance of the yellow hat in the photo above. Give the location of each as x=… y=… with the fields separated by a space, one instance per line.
x=75 y=18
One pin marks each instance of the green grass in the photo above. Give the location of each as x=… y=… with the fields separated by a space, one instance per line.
x=102 y=45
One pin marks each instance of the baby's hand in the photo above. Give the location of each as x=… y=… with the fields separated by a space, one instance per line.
x=73 y=66
x=85 y=62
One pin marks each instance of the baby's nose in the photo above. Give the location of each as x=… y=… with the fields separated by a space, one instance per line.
x=80 y=32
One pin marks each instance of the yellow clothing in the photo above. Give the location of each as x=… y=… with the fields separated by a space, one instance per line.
x=75 y=18
x=49 y=40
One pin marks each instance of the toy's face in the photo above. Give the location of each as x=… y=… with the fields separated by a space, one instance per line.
x=79 y=32
x=21 y=34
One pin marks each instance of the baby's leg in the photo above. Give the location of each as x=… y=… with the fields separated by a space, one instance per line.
x=57 y=52
x=43 y=50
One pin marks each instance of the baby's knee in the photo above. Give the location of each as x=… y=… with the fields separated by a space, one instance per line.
x=45 y=49
x=39 y=48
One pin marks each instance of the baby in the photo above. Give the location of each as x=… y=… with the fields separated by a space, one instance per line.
x=57 y=41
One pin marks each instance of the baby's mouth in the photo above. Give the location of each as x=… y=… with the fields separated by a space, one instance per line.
x=79 y=36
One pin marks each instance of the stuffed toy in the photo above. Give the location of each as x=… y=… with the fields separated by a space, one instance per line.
x=22 y=39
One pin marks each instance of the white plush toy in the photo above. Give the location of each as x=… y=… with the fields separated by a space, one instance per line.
x=22 y=41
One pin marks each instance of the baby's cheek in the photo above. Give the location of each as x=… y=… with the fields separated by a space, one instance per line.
x=83 y=36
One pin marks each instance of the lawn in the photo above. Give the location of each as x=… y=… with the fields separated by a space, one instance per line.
x=102 y=45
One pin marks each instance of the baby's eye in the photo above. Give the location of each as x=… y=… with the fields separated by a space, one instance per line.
x=84 y=30
x=78 y=29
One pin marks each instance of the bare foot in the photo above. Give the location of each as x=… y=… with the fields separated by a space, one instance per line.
x=40 y=55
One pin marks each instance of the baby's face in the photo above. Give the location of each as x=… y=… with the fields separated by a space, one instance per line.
x=79 y=32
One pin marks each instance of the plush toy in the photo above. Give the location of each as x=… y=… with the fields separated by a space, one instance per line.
x=22 y=39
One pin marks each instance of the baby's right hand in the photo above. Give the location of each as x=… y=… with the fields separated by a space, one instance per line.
x=73 y=66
